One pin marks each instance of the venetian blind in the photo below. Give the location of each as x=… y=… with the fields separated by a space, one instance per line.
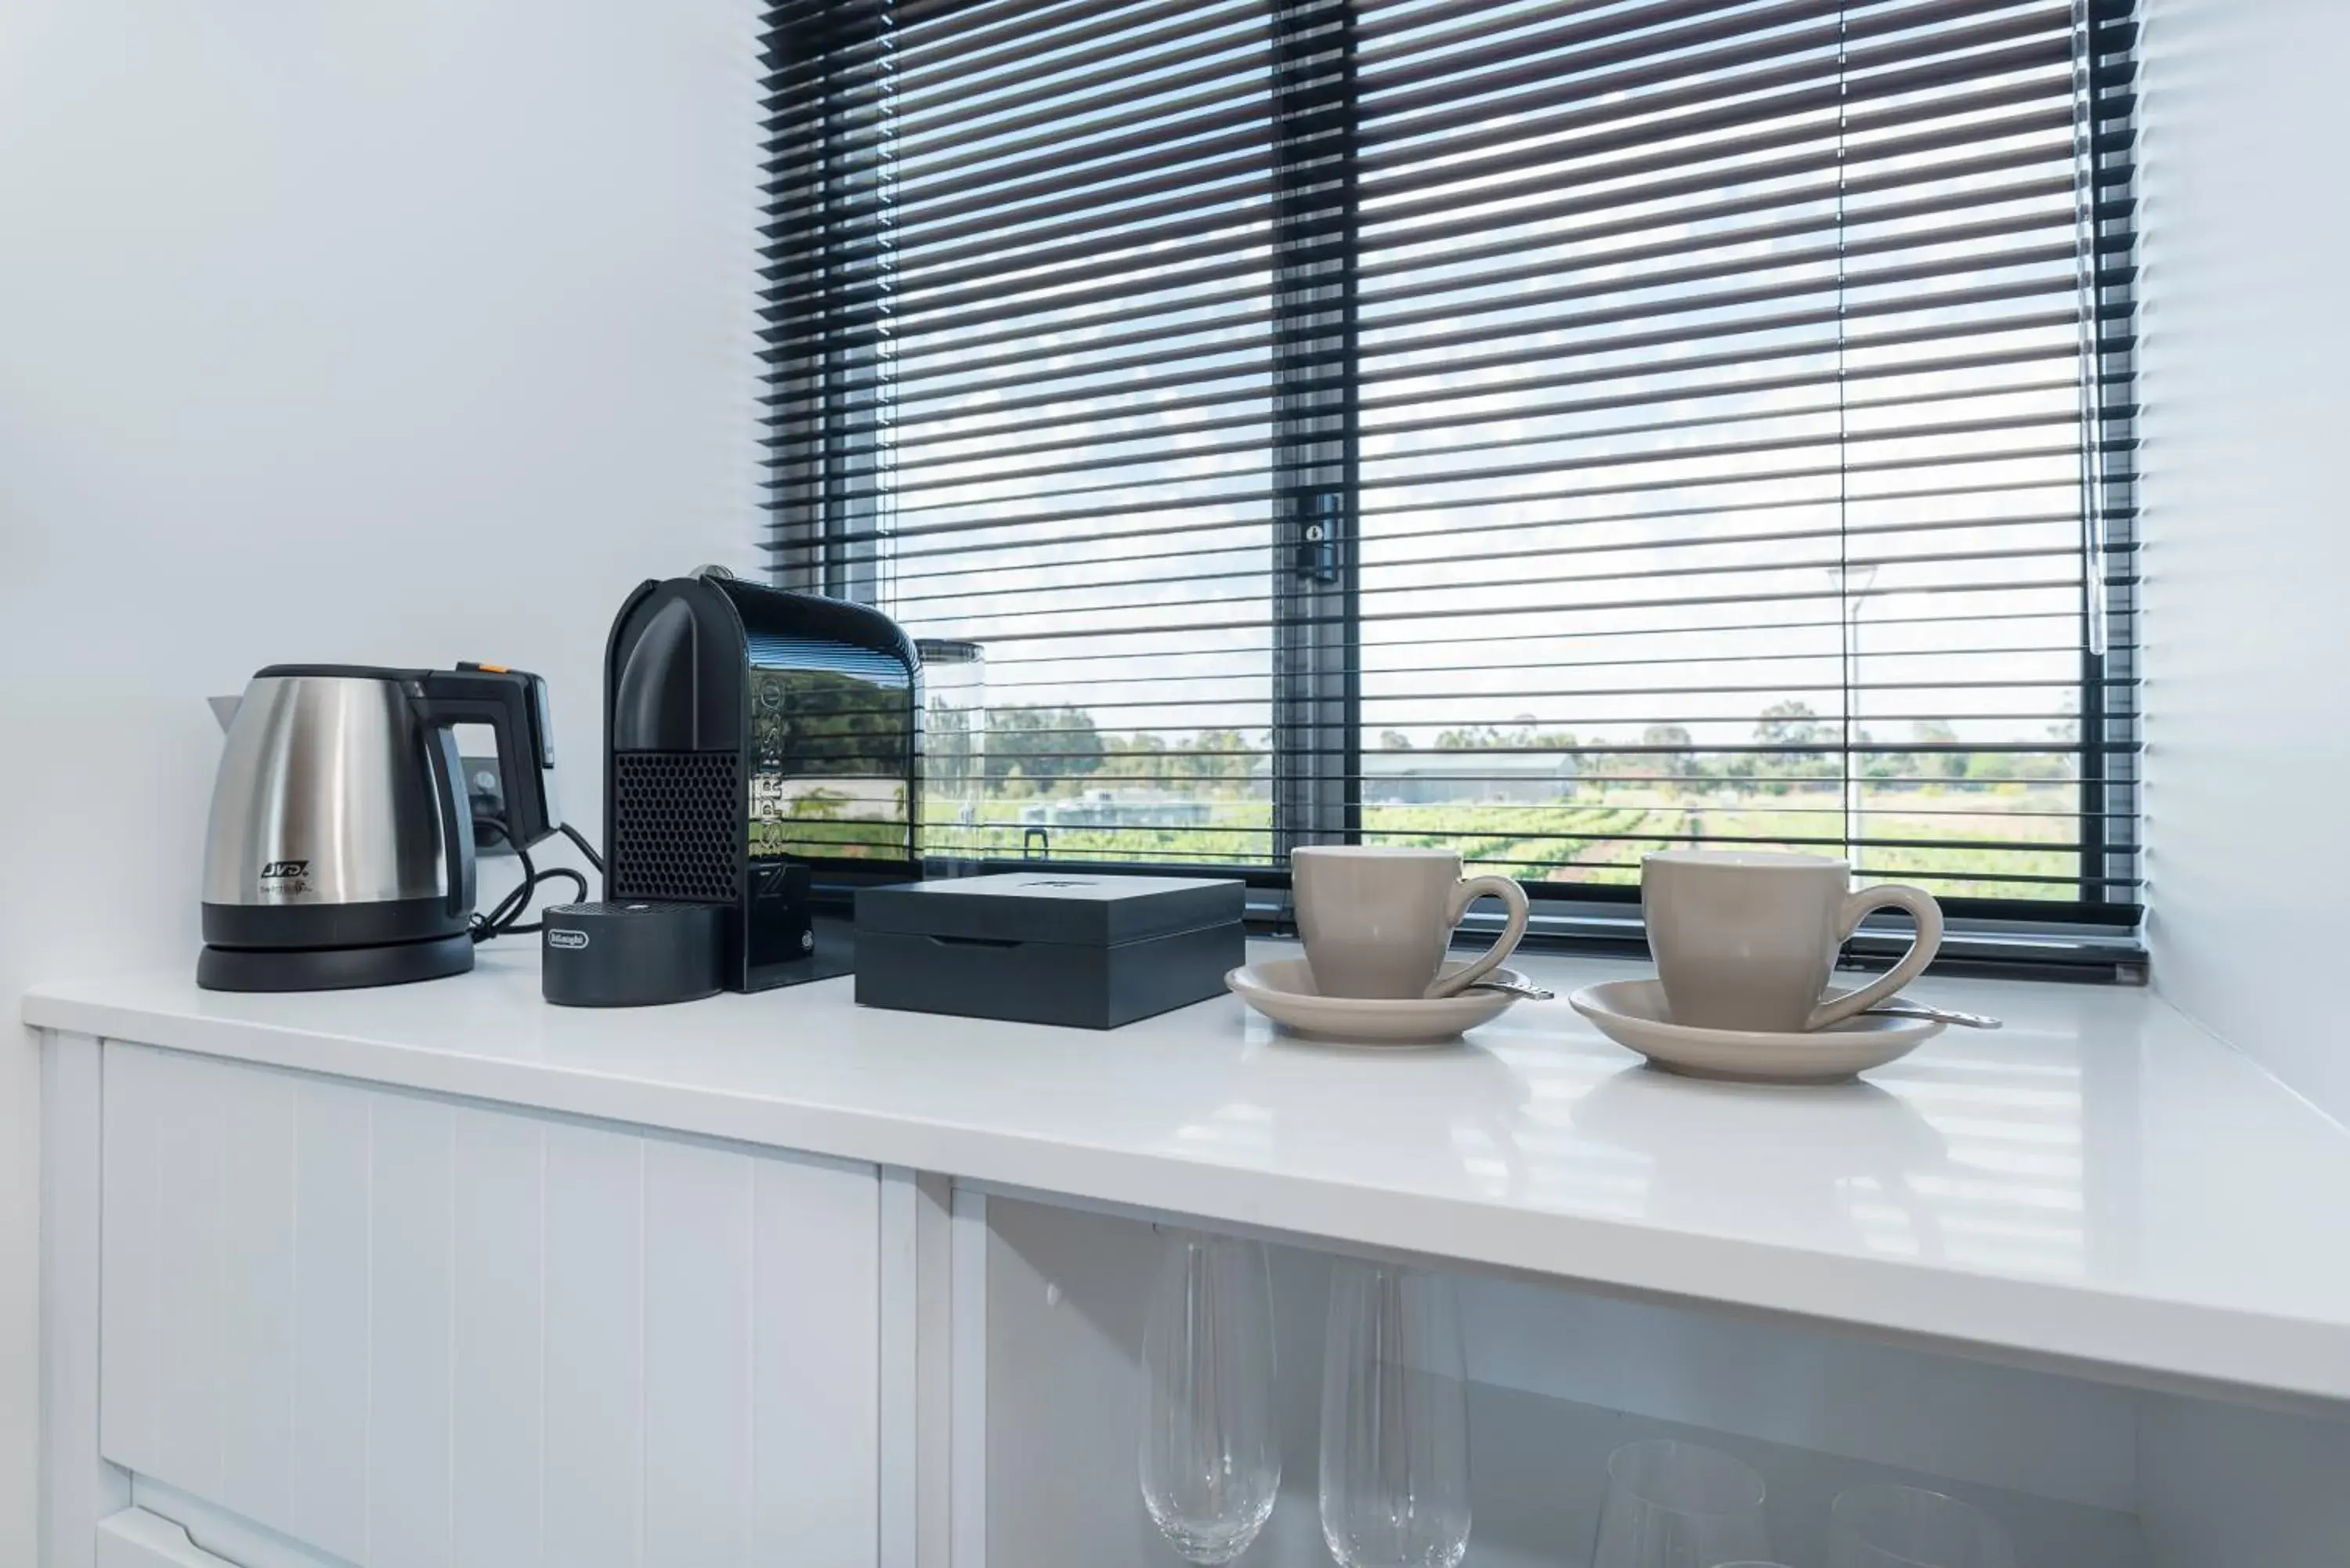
x=1552 y=429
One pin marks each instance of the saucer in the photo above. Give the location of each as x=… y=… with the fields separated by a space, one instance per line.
x=1632 y=1014
x=1283 y=990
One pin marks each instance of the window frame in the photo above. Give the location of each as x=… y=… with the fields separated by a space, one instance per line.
x=825 y=250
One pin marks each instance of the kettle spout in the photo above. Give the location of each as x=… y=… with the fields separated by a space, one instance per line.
x=224 y=710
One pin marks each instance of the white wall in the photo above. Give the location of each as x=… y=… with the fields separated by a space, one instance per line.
x=2248 y=627
x=378 y=333
x=2248 y=618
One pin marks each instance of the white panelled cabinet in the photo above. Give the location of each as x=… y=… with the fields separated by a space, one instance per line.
x=439 y=1277
x=138 y=1539
x=413 y=1333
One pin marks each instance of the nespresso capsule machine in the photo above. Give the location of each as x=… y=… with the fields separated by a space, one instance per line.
x=761 y=755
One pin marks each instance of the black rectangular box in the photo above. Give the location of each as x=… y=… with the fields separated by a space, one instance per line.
x=1040 y=948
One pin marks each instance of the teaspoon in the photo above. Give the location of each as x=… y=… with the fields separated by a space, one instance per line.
x=1898 y=1009
x=1943 y=1015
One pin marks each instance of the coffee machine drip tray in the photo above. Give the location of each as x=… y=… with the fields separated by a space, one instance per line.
x=832 y=952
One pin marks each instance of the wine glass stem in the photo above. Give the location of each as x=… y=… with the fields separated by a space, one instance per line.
x=1200 y=1321
x=1392 y=1403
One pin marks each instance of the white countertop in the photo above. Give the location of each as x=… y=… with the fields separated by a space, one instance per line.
x=2099 y=1182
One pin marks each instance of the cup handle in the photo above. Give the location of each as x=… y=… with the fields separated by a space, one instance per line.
x=1857 y=906
x=1464 y=893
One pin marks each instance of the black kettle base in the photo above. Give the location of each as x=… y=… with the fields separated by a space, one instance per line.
x=332 y=968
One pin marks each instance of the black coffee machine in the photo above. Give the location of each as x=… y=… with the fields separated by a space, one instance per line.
x=761 y=755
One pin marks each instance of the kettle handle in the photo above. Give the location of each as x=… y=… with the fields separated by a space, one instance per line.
x=511 y=703
x=456 y=816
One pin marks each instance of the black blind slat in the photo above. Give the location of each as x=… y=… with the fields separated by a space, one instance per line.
x=1119 y=45
x=950 y=579
x=785 y=305
x=1550 y=430
x=1785 y=57
x=1091 y=453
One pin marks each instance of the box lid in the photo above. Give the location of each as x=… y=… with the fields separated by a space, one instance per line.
x=1046 y=907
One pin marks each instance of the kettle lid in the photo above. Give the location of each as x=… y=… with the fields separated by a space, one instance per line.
x=337 y=672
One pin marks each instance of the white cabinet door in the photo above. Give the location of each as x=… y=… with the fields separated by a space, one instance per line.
x=415 y=1333
x=137 y=1538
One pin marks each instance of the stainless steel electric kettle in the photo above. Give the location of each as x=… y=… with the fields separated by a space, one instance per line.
x=340 y=850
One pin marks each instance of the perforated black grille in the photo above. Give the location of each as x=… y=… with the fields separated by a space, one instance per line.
x=677 y=825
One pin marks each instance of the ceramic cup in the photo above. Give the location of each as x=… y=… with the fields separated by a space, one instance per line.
x=1748 y=941
x=1377 y=921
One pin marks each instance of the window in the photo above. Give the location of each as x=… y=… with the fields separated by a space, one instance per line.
x=1554 y=429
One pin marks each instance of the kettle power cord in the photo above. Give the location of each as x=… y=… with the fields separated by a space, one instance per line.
x=501 y=919
x=586 y=850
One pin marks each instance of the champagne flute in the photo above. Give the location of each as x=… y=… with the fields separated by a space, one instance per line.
x=1210 y=1454
x=1909 y=1527
x=1395 y=1421
x=1672 y=1504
